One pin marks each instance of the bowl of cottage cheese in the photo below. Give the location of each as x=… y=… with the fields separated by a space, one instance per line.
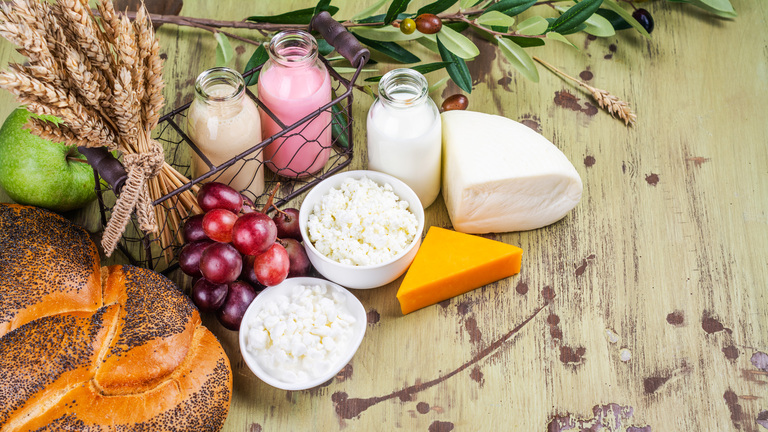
x=361 y=229
x=301 y=333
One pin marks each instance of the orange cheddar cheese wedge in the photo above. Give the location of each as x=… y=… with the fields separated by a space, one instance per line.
x=450 y=263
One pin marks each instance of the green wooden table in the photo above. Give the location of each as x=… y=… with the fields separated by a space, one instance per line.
x=644 y=305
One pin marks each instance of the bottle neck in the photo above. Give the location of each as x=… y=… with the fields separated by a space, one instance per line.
x=293 y=48
x=403 y=88
x=220 y=87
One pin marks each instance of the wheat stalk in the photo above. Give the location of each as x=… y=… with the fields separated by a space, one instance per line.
x=615 y=106
x=103 y=80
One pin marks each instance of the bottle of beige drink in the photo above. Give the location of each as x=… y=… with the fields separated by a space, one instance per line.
x=223 y=123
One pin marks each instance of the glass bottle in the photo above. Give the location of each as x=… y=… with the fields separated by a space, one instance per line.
x=293 y=84
x=223 y=122
x=404 y=133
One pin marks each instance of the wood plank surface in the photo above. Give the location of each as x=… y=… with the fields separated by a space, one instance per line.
x=645 y=309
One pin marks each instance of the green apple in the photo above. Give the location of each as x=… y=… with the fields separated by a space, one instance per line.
x=35 y=171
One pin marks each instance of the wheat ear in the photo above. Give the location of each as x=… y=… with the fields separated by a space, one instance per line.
x=153 y=100
x=615 y=106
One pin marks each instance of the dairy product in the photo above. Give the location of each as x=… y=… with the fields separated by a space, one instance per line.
x=403 y=132
x=293 y=84
x=301 y=335
x=450 y=263
x=361 y=223
x=500 y=176
x=223 y=123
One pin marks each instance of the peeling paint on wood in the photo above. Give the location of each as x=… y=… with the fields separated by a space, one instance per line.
x=676 y=318
x=441 y=426
x=762 y=419
x=760 y=360
x=606 y=418
x=531 y=121
x=566 y=99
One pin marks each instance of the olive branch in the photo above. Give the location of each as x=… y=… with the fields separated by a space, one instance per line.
x=496 y=21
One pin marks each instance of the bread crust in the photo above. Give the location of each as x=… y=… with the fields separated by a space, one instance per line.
x=118 y=348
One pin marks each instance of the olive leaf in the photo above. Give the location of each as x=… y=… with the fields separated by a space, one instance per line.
x=423 y=69
x=431 y=67
x=322 y=6
x=224 y=50
x=397 y=7
x=436 y=7
x=457 y=43
x=340 y=122
x=495 y=18
x=466 y=4
x=599 y=26
x=379 y=18
x=721 y=8
x=390 y=49
x=574 y=17
x=615 y=19
x=324 y=48
x=612 y=5
x=370 y=10
x=511 y=7
x=385 y=34
x=520 y=59
x=457 y=69
x=560 y=38
x=526 y=42
x=438 y=84
x=429 y=42
x=594 y=25
x=300 y=16
x=534 y=25
x=258 y=58
x=348 y=70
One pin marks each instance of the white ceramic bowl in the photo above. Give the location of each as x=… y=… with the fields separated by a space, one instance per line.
x=361 y=277
x=354 y=306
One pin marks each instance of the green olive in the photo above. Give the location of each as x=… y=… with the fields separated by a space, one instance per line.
x=408 y=26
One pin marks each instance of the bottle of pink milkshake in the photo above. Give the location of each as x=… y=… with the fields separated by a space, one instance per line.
x=293 y=84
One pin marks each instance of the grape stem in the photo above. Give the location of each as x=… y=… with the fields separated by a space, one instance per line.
x=271 y=199
x=280 y=211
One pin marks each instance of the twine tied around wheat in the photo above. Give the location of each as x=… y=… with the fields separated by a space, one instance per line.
x=141 y=167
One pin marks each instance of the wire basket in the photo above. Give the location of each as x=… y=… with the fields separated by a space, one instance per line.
x=146 y=250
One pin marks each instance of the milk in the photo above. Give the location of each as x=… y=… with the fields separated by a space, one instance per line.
x=404 y=135
x=222 y=127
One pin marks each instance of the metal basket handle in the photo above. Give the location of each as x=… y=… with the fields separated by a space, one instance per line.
x=109 y=168
x=346 y=43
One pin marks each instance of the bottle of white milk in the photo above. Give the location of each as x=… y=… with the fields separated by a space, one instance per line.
x=404 y=133
x=223 y=122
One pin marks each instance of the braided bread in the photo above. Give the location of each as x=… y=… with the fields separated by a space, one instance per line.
x=90 y=348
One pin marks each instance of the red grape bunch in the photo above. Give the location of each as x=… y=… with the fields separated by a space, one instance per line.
x=236 y=251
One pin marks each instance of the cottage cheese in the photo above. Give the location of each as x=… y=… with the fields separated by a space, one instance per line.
x=301 y=336
x=361 y=223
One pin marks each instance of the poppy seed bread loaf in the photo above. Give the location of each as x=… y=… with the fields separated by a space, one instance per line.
x=90 y=348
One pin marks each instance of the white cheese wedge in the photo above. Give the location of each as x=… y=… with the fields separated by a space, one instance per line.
x=499 y=175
